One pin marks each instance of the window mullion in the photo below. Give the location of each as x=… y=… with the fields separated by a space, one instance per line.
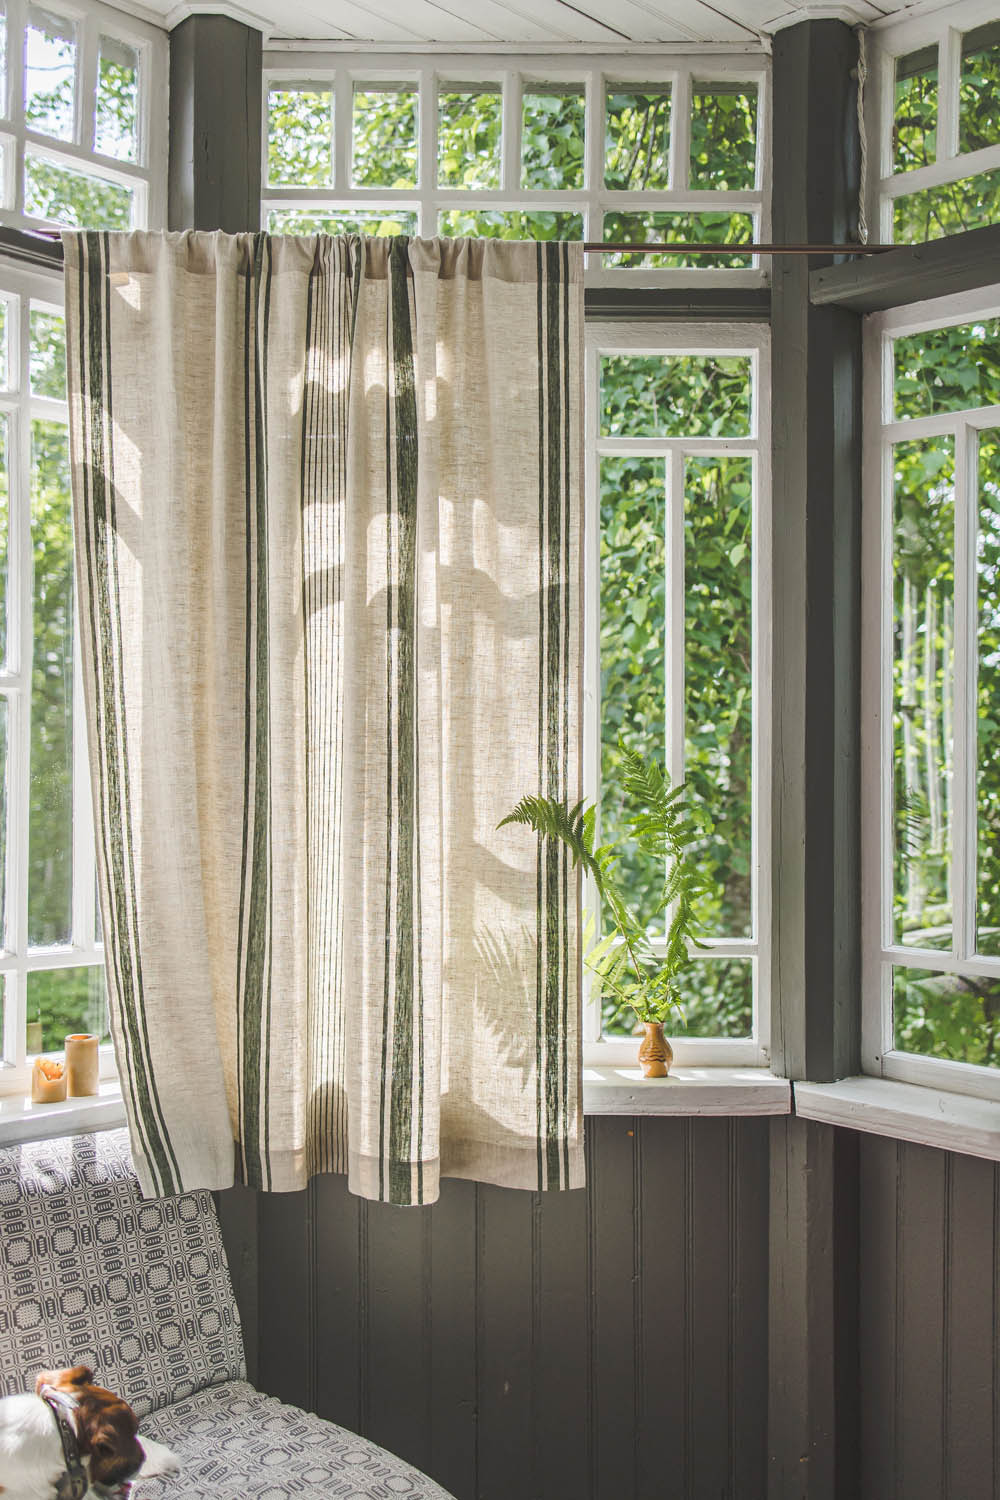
x=949 y=69
x=510 y=133
x=965 y=671
x=680 y=131
x=20 y=740
x=87 y=45
x=674 y=644
x=343 y=124
x=427 y=149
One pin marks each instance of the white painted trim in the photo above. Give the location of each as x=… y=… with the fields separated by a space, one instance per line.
x=239 y=13
x=595 y=72
x=906 y=1112
x=324 y=46
x=686 y=1091
x=737 y=339
x=20 y=1120
x=40 y=289
x=852 y=15
x=880 y=949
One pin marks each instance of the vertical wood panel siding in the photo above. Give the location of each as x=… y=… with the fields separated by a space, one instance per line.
x=608 y=1344
x=930 y=1355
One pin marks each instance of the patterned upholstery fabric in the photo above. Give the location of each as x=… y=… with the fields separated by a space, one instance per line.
x=91 y=1274
x=235 y=1444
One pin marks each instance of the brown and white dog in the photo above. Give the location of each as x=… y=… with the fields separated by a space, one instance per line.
x=33 y=1460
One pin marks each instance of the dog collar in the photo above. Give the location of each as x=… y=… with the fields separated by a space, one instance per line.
x=72 y=1483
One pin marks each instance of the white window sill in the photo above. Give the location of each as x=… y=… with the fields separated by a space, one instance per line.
x=20 y=1120
x=905 y=1111
x=712 y=1090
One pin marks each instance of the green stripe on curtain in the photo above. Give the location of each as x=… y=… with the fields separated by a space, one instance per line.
x=114 y=819
x=254 y=982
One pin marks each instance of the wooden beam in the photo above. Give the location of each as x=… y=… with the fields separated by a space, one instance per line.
x=961 y=263
x=715 y=304
x=215 y=125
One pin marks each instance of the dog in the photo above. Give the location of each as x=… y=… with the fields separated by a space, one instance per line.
x=73 y=1440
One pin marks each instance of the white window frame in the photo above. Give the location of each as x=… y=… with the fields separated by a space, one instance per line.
x=666 y=338
x=945 y=29
x=879 y=1055
x=17 y=959
x=148 y=175
x=344 y=71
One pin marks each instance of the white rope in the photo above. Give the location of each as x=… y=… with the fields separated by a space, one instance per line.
x=862 y=138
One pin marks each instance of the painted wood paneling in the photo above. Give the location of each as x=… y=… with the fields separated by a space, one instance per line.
x=928 y=1329
x=606 y=1344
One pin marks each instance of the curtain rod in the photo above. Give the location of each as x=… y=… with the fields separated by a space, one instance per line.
x=687 y=247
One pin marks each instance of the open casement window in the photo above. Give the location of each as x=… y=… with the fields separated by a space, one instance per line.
x=937 y=87
x=525 y=148
x=83 y=118
x=931 y=606
x=677 y=629
x=51 y=960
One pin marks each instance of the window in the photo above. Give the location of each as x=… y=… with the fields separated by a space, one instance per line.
x=51 y=959
x=523 y=150
x=83 y=127
x=940 y=113
x=677 y=528
x=932 y=723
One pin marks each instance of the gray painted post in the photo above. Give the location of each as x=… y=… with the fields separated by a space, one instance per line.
x=215 y=125
x=816 y=359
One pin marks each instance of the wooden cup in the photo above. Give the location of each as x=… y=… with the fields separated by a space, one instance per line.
x=82 y=1066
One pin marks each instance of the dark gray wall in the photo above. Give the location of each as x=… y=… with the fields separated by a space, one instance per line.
x=930 y=1353
x=606 y=1344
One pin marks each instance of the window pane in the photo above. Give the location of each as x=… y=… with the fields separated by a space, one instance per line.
x=469 y=128
x=633 y=622
x=950 y=209
x=48 y=354
x=637 y=137
x=79 y=200
x=4 y=542
x=923 y=690
x=947 y=369
x=716 y=996
x=116 y=125
x=4 y=105
x=50 y=826
x=979 y=91
x=552 y=136
x=385 y=138
x=50 y=74
x=496 y=224
x=988 y=695
x=944 y=1015
x=723 y=135
x=914 y=131
x=718 y=654
x=699 y=229
x=375 y=221
x=65 y=1002
x=300 y=137
x=675 y=395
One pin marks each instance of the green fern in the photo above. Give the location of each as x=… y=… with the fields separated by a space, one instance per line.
x=624 y=963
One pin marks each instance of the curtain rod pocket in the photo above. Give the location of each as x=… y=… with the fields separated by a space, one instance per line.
x=598 y=247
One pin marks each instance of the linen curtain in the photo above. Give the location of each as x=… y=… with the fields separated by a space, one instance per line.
x=327 y=519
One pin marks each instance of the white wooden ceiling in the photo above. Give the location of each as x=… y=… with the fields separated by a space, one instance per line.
x=597 y=24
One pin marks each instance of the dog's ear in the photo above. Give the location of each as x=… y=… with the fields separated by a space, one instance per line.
x=65 y=1380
